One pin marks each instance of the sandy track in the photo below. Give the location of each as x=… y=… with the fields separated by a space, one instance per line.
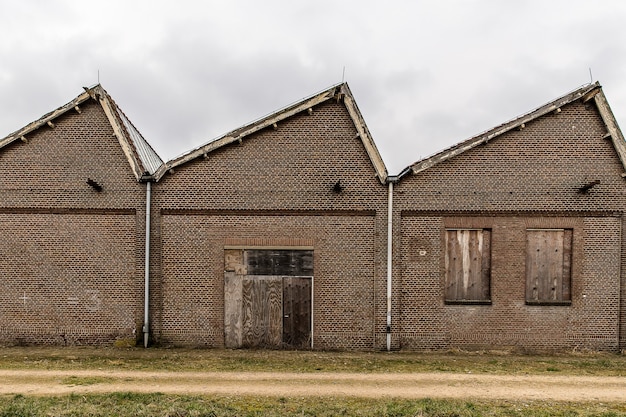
x=433 y=385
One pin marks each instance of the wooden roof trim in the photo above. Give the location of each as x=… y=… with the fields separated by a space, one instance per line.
x=112 y=112
x=587 y=91
x=364 y=135
x=611 y=124
x=238 y=134
x=45 y=119
x=120 y=133
x=273 y=119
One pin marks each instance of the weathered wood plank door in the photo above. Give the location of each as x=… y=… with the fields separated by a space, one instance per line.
x=262 y=311
x=268 y=298
x=233 y=301
x=296 y=312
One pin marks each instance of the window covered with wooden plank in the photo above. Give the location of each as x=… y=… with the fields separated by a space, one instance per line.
x=548 y=266
x=468 y=266
x=279 y=262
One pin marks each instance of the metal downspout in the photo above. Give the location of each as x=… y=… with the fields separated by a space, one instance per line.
x=146 y=311
x=389 y=261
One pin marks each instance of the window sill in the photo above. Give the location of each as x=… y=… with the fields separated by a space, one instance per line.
x=469 y=302
x=548 y=303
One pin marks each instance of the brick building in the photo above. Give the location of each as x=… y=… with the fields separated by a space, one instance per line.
x=513 y=238
x=72 y=211
x=275 y=235
x=272 y=233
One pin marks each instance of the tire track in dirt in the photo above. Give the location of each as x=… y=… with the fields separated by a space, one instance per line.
x=372 y=385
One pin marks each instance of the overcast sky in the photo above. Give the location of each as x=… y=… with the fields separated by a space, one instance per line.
x=425 y=74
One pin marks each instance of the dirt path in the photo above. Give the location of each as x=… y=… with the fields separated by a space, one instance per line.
x=433 y=385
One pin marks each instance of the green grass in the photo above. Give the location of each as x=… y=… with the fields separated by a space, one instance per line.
x=155 y=404
x=139 y=405
x=600 y=364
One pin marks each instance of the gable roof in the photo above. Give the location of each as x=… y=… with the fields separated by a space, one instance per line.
x=143 y=160
x=584 y=93
x=339 y=92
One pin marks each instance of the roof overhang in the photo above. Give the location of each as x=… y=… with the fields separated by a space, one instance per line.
x=611 y=125
x=141 y=157
x=585 y=93
x=46 y=119
x=339 y=92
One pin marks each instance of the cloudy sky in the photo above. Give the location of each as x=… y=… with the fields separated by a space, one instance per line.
x=425 y=74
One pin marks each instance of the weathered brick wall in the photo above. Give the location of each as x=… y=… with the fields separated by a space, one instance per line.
x=524 y=179
x=281 y=182
x=72 y=264
x=193 y=274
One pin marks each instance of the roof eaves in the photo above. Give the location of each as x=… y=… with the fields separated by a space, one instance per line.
x=46 y=119
x=613 y=129
x=141 y=157
x=240 y=133
x=145 y=156
x=339 y=91
x=364 y=134
x=583 y=92
x=120 y=133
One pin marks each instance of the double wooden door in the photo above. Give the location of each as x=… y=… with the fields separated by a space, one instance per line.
x=267 y=311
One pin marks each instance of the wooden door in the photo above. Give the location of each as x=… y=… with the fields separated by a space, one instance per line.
x=267 y=298
x=296 y=312
x=262 y=311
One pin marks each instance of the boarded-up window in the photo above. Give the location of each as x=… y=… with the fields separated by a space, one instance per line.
x=548 y=266
x=468 y=266
x=279 y=262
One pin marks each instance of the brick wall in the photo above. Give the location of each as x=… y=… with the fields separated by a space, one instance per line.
x=72 y=270
x=72 y=264
x=193 y=273
x=275 y=187
x=523 y=179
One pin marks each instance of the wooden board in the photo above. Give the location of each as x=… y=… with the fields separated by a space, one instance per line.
x=268 y=310
x=567 y=265
x=279 y=262
x=262 y=308
x=233 y=261
x=548 y=265
x=232 y=310
x=468 y=265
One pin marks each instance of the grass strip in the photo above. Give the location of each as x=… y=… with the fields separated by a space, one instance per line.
x=125 y=404
x=219 y=360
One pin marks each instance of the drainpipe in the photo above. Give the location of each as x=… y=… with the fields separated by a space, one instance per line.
x=389 y=258
x=146 y=311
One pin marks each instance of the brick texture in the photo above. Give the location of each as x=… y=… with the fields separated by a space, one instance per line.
x=275 y=189
x=523 y=179
x=72 y=263
x=72 y=258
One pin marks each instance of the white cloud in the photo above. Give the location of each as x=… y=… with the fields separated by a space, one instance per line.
x=425 y=74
